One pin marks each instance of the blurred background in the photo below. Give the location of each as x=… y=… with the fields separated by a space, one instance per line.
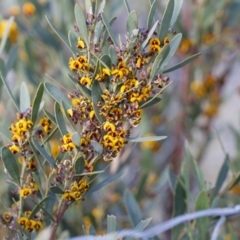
x=200 y=106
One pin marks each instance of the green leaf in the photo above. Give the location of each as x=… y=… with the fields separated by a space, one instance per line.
x=56 y=93
x=174 y=44
x=12 y=58
x=172 y=179
x=183 y=63
x=111 y=223
x=49 y=206
x=103 y=183
x=98 y=148
x=24 y=97
x=143 y=224
x=60 y=120
x=56 y=190
x=10 y=92
x=11 y=165
x=222 y=176
x=107 y=61
x=234 y=181
x=89 y=173
x=179 y=207
x=2 y=69
x=176 y=11
x=102 y=6
x=38 y=181
x=65 y=109
x=44 y=153
x=88 y=6
x=202 y=203
x=150 y=101
x=151 y=14
x=81 y=23
x=96 y=97
x=72 y=39
x=127 y=6
x=113 y=55
x=132 y=21
x=97 y=32
x=132 y=207
x=146 y=139
x=107 y=25
x=157 y=64
x=5 y=34
x=79 y=165
x=145 y=43
x=193 y=166
x=41 y=164
x=60 y=35
x=50 y=116
x=165 y=24
x=37 y=208
x=76 y=138
x=36 y=102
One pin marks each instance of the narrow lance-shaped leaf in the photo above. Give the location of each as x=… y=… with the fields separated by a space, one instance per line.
x=144 y=44
x=151 y=14
x=202 y=203
x=165 y=24
x=49 y=204
x=10 y=92
x=127 y=6
x=150 y=101
x=88 y=6
x=97 y=32
x=109 y=30
x=5 y=34
x=44 y=153
x=102 y=6
x=103 y=183
x=60 y=120
x=56 y=93
x=113 y=55
x=37 y=208
x=81 y=23
x=11 y=58
x=156 y=68
x=56 y=190
x=24 y=97
x=79 y=165
x=111 y=223
x=222 y=175
x=176 y=11
x=146 y=139
x=174 y=43
x=143 y=224
x=98 y=148
x=132 y=208
x=183 y=63
x=50 y=116
x=72 y=39
x=36 y=102
x=76 y=138
x=11 y=165
x=65 y=110
x=132 y=21
x=96 y=97
x=60 y=35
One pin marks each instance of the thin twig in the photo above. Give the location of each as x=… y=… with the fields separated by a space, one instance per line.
x=216 y=230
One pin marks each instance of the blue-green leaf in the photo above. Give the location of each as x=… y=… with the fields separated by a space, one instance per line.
x=183 y=63
x=145 y=43
x=36 y=102
x=60 y=35
x=146 y=139
x=104 y=183
x=79 y=165
x=176 y=11
x=11 y=58
x=56 y=190
x=132 y=208
x=113 y=55
x=44 y=153
x=150 y=101
x=9 y=92
x=151 y=14
x=11 y=165
x=96 y=97
x=37 y=207
x=5 y=34
x=202 y=203
x=49 y=206
x=24 y=97
x=98 y=148
x=109 y=30
x=65 y=110
x=111 y=223
x=127 y=6
x=97 y=32
x=165 y=24
x=132 y=21
x=76 y=138
x=81 y=23
x=157 y=64
x=143 y=224
x=56 y=93
x=50 y=116
x=60 y=120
